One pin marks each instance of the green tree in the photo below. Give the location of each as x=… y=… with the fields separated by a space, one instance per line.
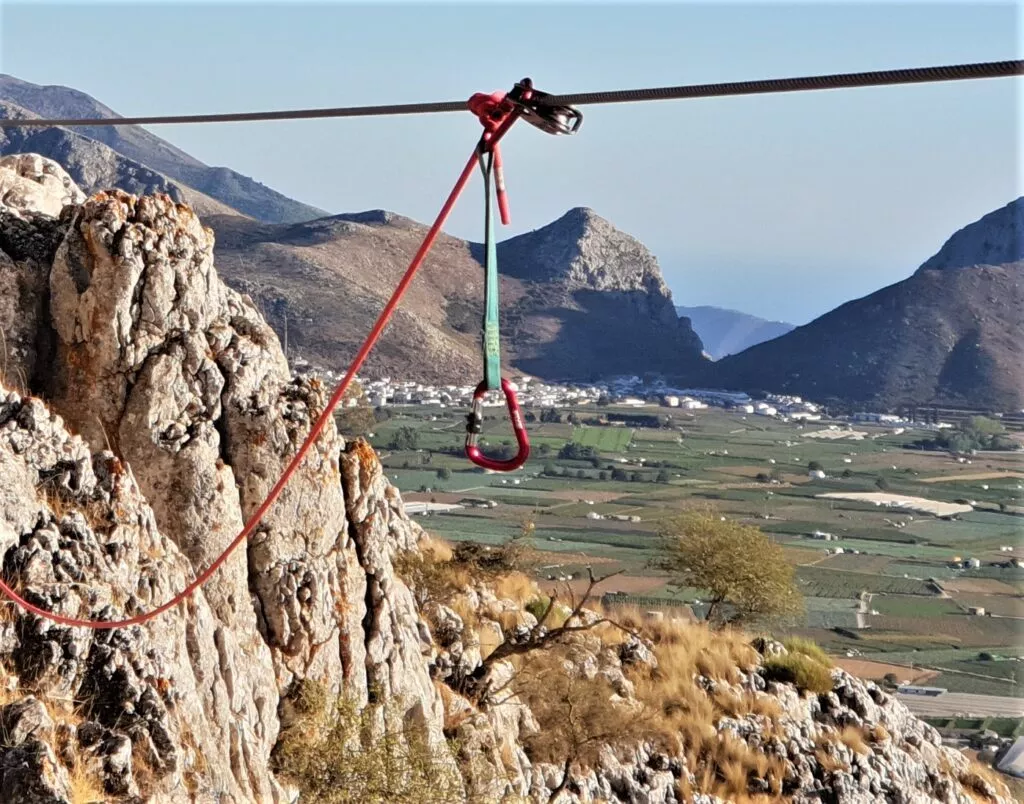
x=602 y=475
x=550 y=469
x=572 y=451
x=444 y=473
x=405 y=439
x=744 y=573
x=663 y=476
x=619 y=474
x=581 y=474
x=815 y=466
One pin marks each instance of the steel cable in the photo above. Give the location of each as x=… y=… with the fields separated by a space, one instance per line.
x=913 y=75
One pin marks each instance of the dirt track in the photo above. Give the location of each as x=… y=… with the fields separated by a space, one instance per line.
x=972 y=476
x=862 y=668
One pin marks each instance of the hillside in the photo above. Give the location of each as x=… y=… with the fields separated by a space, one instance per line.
x=580 y=299
x=95 y=166
x=728 y=332
x=147 y=152
x=341 y=655
x=948 y=334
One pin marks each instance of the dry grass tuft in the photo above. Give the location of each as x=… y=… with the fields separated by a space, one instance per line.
x=470 y=619
x=86 y=787
x=854 y=739
x=515 y=586
x=799 y=669
x=684 y=714
x=437 y=550
x=827 y=761
x=981 y=782
x=808 y=648
x=335 y=757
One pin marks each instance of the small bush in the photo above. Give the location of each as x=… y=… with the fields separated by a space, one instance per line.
x=538 y=606
x=808 y=648
x=333 y=759
x=800 y=669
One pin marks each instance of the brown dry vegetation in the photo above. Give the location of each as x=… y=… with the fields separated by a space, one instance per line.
x=332 y=755
x=576 y=715
x=682 y=716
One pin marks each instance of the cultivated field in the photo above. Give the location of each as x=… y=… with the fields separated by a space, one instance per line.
x=893 y=597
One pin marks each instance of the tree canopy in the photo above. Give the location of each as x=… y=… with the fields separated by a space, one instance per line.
x=743 y=572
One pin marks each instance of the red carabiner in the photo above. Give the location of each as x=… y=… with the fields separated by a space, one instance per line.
x=474 y=426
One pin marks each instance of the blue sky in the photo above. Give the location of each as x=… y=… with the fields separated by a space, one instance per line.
x=783 y=206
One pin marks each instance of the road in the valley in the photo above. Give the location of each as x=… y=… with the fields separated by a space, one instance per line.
x=955 y=704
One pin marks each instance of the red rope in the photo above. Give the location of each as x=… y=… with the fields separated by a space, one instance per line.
x=506 y=117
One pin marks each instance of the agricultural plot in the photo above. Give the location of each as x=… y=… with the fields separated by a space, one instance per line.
x=913 y=606
x=955 y=682
x=822 y=582
x=997 y=605
x=728 y=461
x=604 y=439
x=963 y=629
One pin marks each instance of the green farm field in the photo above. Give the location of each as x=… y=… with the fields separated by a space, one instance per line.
x=607 y=511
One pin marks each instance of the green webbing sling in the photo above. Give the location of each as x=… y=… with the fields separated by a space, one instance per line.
x=492 y=336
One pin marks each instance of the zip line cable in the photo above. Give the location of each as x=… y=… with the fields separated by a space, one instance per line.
x=913 y=75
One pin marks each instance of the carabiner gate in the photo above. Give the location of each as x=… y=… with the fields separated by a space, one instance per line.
x=474 y=426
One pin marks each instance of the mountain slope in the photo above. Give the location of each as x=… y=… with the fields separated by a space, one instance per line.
x=226 y=186
x=728 y=332
x=948 y=334
x=579 y=299
x=95 y=166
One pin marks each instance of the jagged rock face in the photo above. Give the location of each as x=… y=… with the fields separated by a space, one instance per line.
x=27 y=181
x=584 y=249
x=145 y=353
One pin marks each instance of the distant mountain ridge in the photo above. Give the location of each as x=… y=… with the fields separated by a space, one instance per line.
x=951 y=333
x=580 y=299
x=727 y=332
x=235 y=191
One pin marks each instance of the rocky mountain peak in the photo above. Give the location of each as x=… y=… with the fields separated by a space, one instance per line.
x=585 y=250
x=996 y=238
